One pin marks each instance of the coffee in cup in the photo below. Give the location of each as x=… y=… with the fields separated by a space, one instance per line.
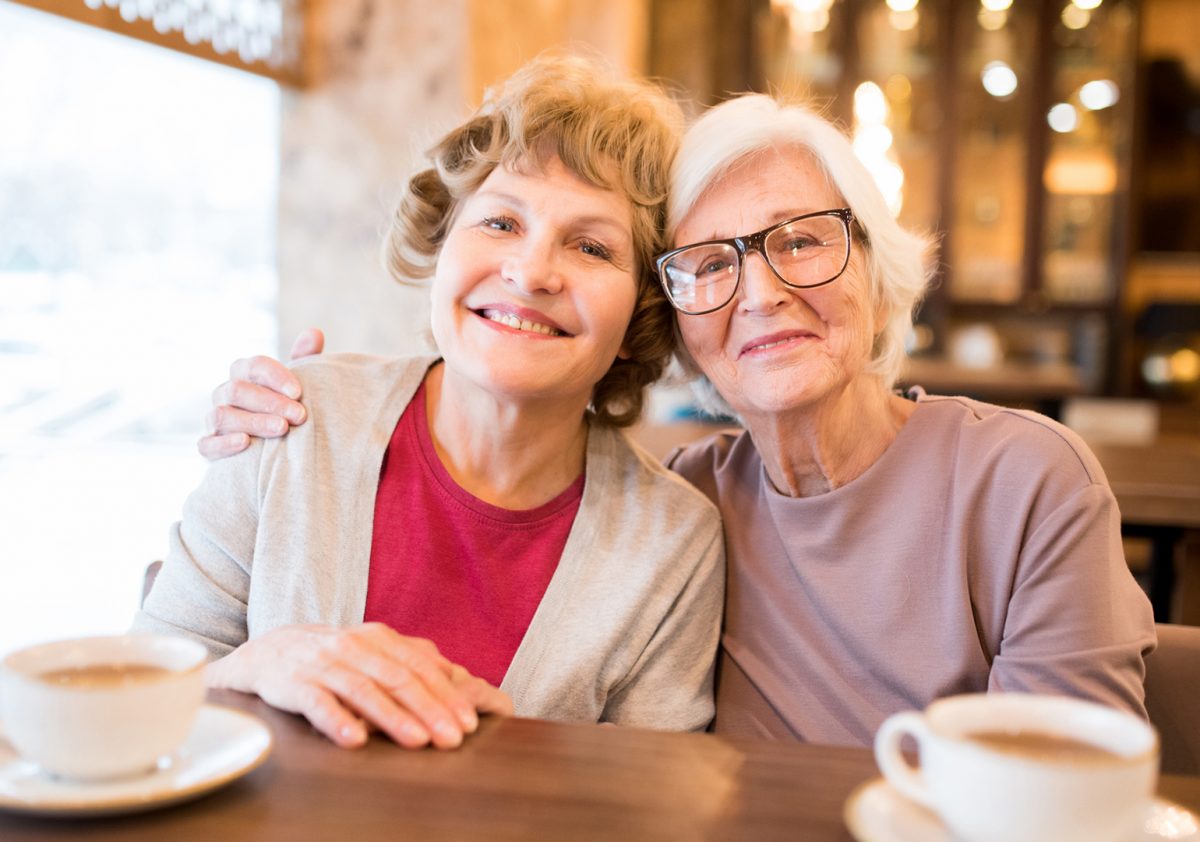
x=1015 y=766
x=101 y=707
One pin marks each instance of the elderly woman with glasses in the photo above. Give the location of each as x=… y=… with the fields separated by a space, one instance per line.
x=883 y=548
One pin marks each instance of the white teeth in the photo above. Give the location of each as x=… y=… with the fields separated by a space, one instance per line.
x=768 y=345
x=512 y=321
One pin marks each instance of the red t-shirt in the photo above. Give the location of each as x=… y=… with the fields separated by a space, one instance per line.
x=449 y=567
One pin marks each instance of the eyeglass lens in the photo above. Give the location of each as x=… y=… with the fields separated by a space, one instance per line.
x=807 y=252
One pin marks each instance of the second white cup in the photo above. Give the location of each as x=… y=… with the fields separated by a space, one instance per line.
x=1012 y=766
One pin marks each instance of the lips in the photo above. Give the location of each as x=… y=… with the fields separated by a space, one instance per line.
x=773 y=340
x=520 y=319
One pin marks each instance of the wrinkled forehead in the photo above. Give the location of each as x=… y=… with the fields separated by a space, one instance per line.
x=756 y=190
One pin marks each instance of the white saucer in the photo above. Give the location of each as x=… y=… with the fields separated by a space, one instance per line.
x=224 y=745
x=877 y=813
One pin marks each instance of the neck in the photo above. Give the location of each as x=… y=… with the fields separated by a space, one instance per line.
x=516 y=455
x=816 y=448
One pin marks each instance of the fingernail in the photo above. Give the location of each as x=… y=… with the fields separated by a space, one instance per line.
x=415 y=733
x=278 y=426
x=448 y=732
x=292 y=390
x=296 y=414
x=353 y=732
x=469 y=720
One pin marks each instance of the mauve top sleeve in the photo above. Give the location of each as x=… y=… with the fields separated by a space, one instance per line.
x=1075 y=622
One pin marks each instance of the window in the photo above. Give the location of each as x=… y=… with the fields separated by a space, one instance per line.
x=137 y=259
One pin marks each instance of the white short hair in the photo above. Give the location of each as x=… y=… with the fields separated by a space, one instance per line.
x=899 y=265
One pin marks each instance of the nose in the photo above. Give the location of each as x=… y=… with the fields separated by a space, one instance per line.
x=531 y=268
x=760 y=290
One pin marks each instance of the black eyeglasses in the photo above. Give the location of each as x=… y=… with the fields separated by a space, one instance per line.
x=804 y=252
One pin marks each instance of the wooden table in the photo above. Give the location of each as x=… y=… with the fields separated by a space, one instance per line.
x=516 y=779
x=1157 y=486
x=1045 y=384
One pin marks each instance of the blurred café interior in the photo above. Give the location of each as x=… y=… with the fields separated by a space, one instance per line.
x=1053 y=146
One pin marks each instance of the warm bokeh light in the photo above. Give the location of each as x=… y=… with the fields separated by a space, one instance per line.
x=806 y=15
x=996 y=5
x=904 y=21
x=1081 y=174
x=999 y=79
x=1099 y=94
x=992 y=21
x=873 y=142
x=1086 y=5
x=1063 y=118
x=1074 y=17
x=870 y=105
x=902 y=5
x=1181 y=366
x=899 y=88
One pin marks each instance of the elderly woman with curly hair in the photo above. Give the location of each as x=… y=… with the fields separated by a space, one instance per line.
x=442 y=525
x=883 y=548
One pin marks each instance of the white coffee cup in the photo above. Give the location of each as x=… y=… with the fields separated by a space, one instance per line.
x=994 y=768
x=96 y=708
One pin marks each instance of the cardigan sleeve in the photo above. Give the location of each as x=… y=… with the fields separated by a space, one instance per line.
x=203 y=587
x=670 y=685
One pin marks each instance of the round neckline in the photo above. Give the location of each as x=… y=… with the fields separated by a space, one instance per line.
x=916 y=394
x=571 y=495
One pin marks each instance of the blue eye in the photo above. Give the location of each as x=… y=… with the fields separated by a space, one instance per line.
x=714 y=267
x=595 y=249
x=499 y=223
x=799 y=243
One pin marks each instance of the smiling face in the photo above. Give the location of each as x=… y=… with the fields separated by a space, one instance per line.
x=535 y=285
x=775 y=348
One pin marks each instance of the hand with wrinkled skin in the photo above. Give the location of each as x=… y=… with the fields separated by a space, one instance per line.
x=347 y=682
x=260 y=398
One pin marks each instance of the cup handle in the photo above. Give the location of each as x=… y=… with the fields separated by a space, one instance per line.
x=891 y=762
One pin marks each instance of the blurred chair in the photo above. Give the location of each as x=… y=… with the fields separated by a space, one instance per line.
x=1173 y=697
x=148 y=579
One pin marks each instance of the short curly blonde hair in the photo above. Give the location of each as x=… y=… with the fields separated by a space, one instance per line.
x=615 y=133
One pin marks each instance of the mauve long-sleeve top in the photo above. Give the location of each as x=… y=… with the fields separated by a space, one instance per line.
x=981 y=552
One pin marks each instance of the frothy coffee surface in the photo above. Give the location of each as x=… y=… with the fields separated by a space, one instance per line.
x=102 y=675
x=1042 y=746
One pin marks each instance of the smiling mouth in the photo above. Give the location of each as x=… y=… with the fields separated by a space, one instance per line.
x=509 y=320
x=766 y=343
